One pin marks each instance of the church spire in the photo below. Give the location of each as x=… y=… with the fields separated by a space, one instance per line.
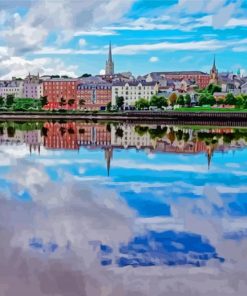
x=110 y=53
x=214 y=73
x=109 y=69
x=214 y=65
x=108 y=157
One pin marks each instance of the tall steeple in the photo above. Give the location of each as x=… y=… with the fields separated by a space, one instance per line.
x=110 y=53
x=108 y=157
x=214 y=77
x=109 y=68
x=214 y=65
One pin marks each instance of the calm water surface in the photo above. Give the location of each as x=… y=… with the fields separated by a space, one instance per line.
x=118 y=209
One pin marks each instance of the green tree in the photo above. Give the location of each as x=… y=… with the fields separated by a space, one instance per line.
x=157 y=133
x=108 y=106
x=212 y=88
x=120 y=102
x=62 y=130
x=180 y=100
x=187 y=99
x=119 y=132
x=158 y=102
x=230 y=99
x=239 y=101
x=141 y=130
x=179 y=135
x=62 y=102
x=141 y=104
x=71 y=102
x=71 y=131
x=44 y=101
x=206 y=99
x=1 y=101
x=211 y=100
x=85 y=75
x=10 y=100
x=203 y=100
x=11 y=131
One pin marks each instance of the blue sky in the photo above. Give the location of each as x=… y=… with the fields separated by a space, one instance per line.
x=71 y=37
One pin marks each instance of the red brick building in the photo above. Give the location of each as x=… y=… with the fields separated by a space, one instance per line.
x=94 y=95
x=57 y=88
x=61 y=136
x=72 y=135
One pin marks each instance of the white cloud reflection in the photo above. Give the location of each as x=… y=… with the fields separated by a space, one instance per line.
x=73 y=213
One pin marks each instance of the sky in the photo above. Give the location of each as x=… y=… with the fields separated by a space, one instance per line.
x=70 y=37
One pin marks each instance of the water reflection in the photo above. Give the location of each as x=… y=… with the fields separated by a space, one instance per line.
x=122 y=209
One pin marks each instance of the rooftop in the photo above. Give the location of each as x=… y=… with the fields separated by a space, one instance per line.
x=134 y=83
x=178 y=73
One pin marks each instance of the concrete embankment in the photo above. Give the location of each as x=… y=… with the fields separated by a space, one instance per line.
x=172 y=117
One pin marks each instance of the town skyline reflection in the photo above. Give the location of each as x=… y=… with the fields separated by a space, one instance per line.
x=108 y=137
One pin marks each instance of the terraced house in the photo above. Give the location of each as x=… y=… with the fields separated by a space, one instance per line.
x=60 y=92
x=93 y=94
x=133 y=90
x=33 y=87
x=11 y=87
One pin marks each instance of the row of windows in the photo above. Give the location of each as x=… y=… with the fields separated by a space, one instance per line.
x=133 y=93
x=59 y=83
x=93 y=87
x=10 y=89
x=133 y=87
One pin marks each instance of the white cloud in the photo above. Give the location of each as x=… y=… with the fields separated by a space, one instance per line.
x=197 y=6
x=237 y=22
x=65 y=51
x=209 y=45
x=158 y=167
x=154 y=59
x=64 y=16
x=131 y=49
x=20 y=67
x=95 y=33
x=102 y=72
x=240 y=49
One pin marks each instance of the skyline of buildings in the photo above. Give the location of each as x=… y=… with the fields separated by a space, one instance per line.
x=96 y=92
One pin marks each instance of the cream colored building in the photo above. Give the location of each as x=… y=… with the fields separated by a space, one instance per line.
x=129 y=138
x=12 y=87
x=133 y=90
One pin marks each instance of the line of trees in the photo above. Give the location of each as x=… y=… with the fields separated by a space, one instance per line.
x=155 y=101
x=22 y=104
x=240 y=101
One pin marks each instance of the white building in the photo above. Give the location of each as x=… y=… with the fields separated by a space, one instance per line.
x=133 y=90
x=130 y=138
x=11 y=87
x=33 y=87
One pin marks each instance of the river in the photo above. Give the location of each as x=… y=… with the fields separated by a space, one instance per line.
x=90 y=208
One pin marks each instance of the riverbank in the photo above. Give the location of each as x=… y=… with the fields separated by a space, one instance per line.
x=229 y=118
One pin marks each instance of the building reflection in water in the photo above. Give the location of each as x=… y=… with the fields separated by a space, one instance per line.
x=69 y=135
